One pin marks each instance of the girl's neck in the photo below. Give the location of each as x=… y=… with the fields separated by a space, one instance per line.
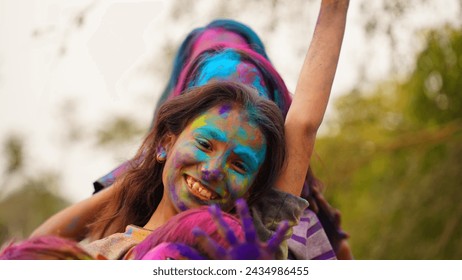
x=163 y=213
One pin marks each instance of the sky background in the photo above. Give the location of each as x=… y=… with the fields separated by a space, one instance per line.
x=60 y=70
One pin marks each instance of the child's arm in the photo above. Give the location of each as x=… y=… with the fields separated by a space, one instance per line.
x=72 y=222
x=312 y=93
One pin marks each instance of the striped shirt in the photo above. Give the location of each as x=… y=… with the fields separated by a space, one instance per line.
x=309 y=240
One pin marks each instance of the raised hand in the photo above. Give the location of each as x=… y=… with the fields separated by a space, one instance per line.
x=251 y=248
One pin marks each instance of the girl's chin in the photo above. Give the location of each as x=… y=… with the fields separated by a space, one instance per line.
x=192 y=202
x=192 y=205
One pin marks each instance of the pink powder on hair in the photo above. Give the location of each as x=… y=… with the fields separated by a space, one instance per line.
x=217 y=36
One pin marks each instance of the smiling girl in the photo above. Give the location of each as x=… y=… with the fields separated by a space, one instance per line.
x=301 y=124
x=214 y=145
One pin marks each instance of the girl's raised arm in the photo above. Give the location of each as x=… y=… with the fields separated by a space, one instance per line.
x=312 y=93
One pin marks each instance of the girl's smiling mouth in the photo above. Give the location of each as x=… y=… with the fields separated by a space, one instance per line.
x=199 y=190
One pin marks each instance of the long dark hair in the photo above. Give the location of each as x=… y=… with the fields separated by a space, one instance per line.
x=140 y=190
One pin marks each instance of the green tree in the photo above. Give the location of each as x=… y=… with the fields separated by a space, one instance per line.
x=26 y=208
x=26 y=201
x=392 y=161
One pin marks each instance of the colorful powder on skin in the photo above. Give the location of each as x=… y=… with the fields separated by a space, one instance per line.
x=241 y=133
x=216 y=164
x=73 y=224
x=250 y=156
x=201 y=156
x=224 y=110
x=221 y=148
x=176 y=200
x=211 y=132
x=199 y=121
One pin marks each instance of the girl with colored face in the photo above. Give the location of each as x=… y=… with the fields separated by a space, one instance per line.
x=224 y=50
x=308 y=106
x=302 y=122
x=214 y=160
x=228 y=149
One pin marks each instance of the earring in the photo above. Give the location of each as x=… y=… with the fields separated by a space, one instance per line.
x=161 y=155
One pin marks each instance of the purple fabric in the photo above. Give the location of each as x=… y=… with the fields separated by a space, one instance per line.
x=329 y=255
x=109 y=178
x=309 y=240
x=299 y=239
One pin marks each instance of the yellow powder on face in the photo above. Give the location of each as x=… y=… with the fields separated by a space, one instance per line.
x=199 y=122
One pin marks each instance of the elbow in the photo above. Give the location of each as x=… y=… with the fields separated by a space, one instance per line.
x=303 y=124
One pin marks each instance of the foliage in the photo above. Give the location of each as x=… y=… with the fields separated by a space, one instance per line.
x=118 y=131
x=439 y=79
x=393 y=161
x=25 y=201
x=25 y=209
x=14 y=154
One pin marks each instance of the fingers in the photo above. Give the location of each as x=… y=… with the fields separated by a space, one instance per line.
x=172 y=251
x=208 y=245
x=223 y=227
x=246 y=220
x=278 y=236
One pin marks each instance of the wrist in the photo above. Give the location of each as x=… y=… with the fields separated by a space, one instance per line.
x=340 y=5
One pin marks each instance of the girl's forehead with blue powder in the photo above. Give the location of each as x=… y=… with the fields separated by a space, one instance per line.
x=229 y=66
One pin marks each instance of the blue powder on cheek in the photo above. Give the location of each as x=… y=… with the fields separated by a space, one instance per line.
x=201 y=156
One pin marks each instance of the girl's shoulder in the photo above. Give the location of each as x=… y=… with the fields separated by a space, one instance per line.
x=116 y=245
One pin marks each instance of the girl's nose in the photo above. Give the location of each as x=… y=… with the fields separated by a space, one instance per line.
x=213 y=169
x=215 y=174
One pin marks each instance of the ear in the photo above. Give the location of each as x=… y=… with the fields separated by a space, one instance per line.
x=168 y=141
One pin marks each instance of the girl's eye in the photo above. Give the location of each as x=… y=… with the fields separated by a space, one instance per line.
x=240 y=166
x=204 y=144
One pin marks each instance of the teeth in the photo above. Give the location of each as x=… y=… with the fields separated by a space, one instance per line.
x=197 y=186
x=205 y=193
x=189 y=180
